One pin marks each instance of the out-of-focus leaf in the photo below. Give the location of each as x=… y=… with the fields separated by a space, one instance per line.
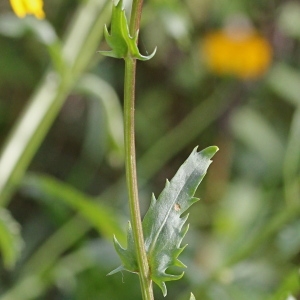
x=192 y=297
x=15 y=27
x=241 y=205
x=290 y=285
x=292 y=161
x=29 y=131
x=284 y=81
x=96 y=87
x=11 y=242
x=253 y=129
x=289 y=19
x=44 y=32
x=101 y=216
x=290 y=297
x=90 y=256
x=171 y=18
x=163 y=225
x=288 y=241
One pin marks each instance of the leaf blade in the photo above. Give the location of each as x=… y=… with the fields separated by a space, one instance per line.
x=163 y=224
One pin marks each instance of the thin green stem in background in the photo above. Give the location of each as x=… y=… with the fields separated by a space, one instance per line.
x=291 y=162
x=42 y=109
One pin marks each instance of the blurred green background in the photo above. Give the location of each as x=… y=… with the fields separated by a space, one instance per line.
x=62 y=187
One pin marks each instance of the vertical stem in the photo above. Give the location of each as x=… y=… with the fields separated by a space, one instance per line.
x=130 y=161
x=135 y=18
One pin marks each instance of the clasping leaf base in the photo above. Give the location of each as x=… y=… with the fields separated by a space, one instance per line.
x=119 y=39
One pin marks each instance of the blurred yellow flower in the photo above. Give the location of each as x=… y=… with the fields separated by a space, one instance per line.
x=24 y=7
x=239 y=52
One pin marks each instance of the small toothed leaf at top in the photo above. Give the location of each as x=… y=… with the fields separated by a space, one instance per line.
x=119 y=39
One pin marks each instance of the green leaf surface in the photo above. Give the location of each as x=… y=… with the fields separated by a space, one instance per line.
x=98 y=214
x=11 y=242
x=94 y=86
x=163 y=225
x=119 y=39
x=128 y=256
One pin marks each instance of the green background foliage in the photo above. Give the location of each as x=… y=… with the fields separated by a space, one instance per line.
x=67 y=195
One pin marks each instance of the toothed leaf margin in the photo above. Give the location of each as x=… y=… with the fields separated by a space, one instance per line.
x=163 y=226
x=119 y=39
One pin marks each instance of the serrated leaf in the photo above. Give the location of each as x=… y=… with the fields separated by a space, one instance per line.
x=119 y=39
x=163 y=225
x=128 y=256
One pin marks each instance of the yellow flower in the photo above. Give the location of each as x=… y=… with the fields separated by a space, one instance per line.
x=240 y=52
x=24 y=7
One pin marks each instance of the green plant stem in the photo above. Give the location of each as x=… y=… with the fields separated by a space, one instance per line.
x=130 y=159
x=130 y=162
x=135 y=18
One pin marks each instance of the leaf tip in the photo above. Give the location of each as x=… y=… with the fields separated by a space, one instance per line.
x=118 y=269
x=180 y=264
x=194 y=200
x=147 y=57
x=118 y=3
x=210 y=151
x=153 y=201
x=192 y=297
x=163 y=287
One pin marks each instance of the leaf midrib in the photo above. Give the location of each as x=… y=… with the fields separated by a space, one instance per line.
x=167 y=215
